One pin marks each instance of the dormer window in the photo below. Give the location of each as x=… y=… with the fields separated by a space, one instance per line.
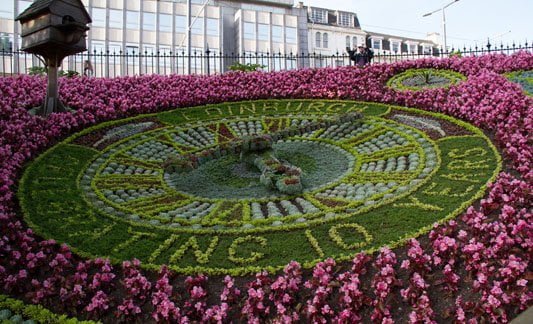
x=319 y=15
x=345 y=19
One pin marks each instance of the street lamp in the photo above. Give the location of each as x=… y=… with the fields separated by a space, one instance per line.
x=443 y=20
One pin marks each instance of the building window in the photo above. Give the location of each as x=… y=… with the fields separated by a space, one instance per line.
x=132 y=19
x=277 y=34
x=115 y=18
x=181 y=24
x=148 y=50
x=290 y=63
x=97 y=50
x=395 y=47
x=345 y=19
x=250 y=58
x=132 y=54
x=413 y=49
x=318 y=40
x=114 y=48
x=319 y=16
x=197 y=27
x=165 y=23
x=348 y=41
x=212 y=27
x=376 y=44
x=7 y=12
x=263 y=32
x=148 y=21
x=290 y=35
x=427 y=50
x=249 y=30
x=164 y=58
x=98 y=17
x=6 y=42
x=325 y=40
x=354 y=41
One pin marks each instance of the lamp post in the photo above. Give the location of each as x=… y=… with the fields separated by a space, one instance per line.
x=443 y=20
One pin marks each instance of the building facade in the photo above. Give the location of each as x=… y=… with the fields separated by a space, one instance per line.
x=331 y=32
x=151 y=36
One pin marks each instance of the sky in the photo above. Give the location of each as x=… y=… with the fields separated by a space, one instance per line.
x=468 y=22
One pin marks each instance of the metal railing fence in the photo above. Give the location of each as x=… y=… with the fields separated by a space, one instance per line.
x=113 y=64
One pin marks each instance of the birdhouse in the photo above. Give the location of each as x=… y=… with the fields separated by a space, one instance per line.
x=54 y=29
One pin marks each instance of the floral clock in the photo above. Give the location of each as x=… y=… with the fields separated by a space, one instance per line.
x=422 y=79
x=377 y=179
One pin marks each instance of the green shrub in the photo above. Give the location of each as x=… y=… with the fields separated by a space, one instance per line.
x=248 y=67
x=68 y=73
x=37 y=70
x=456 y=53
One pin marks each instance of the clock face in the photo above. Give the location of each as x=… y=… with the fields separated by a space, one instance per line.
x=108 y=191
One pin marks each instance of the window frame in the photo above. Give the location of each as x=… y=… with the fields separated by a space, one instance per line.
x=133 y=18
x=248 y=31
x=289 y=31
x=325 y=40
x=98 y=20
x=167 y=28
x=345 y=19
x=319 y=15
x=146 y=26
x=117 y=24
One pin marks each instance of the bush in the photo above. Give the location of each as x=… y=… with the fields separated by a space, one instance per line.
x=68 y=73
x=37 y=70
x=248 y=67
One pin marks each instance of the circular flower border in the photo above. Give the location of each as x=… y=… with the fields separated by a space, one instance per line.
x=397 y=82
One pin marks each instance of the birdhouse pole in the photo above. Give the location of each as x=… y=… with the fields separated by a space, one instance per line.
x=53 y=30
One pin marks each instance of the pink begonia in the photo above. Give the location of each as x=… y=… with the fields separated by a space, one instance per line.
x=492 y=247
x=99 y=302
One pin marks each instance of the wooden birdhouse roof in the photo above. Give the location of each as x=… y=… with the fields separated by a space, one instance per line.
x=39 y=7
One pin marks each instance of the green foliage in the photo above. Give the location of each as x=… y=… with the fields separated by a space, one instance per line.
x=35 y=313
x=68 y=73
x=37 y=70
x=456 y=53
x=248 y=67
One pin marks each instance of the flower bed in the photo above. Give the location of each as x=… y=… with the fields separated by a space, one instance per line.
x=421 y=79
x=488 y=248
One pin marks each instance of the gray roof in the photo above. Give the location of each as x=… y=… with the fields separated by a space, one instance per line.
x=40 y=6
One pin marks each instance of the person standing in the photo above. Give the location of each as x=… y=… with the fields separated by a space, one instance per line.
x=362 y=56
x=88 y=68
